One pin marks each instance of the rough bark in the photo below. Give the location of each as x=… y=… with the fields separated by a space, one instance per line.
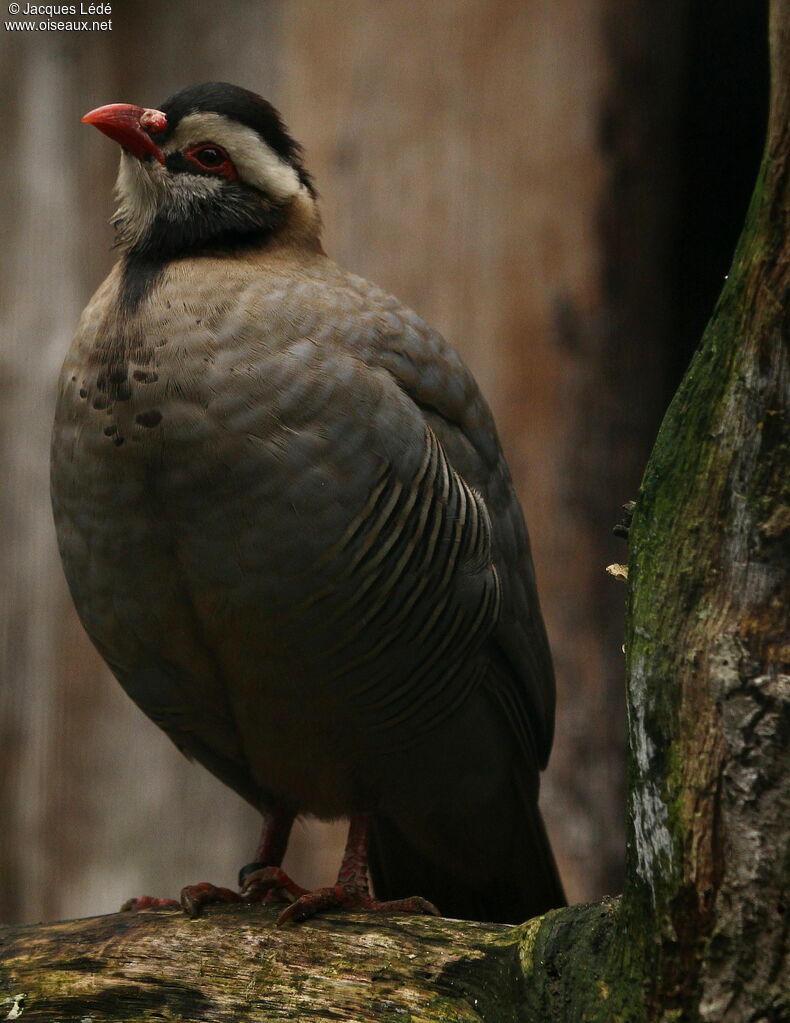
x=701 y=930
x=708 y=645
x=700 y=933
x=234 y=964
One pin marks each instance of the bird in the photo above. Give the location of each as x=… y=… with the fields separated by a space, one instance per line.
x=289 y=529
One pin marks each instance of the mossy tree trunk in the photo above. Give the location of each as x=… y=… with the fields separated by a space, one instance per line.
x=700 y=931
x=707 y=646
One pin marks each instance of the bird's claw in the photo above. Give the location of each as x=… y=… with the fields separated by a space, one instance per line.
x=270 y=884
x=195 y=896
x=149 y=902
x=342 y=897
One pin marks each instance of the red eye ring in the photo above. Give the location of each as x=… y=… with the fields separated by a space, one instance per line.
x=213 y=158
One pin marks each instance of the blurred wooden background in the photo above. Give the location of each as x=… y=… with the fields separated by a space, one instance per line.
x=557 y=186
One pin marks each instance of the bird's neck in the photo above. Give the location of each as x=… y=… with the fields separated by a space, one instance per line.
x=300 y=228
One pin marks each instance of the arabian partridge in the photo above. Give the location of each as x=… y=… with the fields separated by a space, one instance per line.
x=289 y=529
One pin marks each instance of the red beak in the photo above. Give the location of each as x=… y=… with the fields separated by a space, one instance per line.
x=130 y=126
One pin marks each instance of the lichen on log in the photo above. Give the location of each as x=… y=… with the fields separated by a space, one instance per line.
x=234 y=963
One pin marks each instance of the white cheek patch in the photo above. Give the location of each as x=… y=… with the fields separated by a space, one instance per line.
x=256 y=163
x=145 y=189
x=138 y=191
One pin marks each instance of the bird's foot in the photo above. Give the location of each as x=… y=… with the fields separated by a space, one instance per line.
x=149 y=902
x=259 y=883
x=271 y=884
x=344 y=897
x=195 y=896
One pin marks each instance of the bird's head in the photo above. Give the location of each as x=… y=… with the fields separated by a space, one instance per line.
x=212 y=168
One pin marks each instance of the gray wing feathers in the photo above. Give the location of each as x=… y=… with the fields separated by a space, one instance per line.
x=412 y=596
x=433 y=376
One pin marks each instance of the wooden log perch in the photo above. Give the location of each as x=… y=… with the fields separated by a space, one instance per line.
x=233 y=963
x=700 y=932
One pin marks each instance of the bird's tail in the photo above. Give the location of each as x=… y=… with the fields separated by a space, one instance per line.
x=527 y=884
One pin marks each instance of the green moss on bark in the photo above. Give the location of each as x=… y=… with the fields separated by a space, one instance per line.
x=707 y=569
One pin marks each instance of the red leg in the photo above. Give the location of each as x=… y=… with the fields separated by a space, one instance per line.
x=275 y=832
x=273 y=842
x=263 y=880
x=352 y=890
x=268 y=856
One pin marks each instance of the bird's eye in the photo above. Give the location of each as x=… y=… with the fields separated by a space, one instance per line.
x=209 y=156
x=212 y=158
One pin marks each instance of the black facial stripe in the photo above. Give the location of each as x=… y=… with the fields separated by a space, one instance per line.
x=234 y=216
x=177 y=163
